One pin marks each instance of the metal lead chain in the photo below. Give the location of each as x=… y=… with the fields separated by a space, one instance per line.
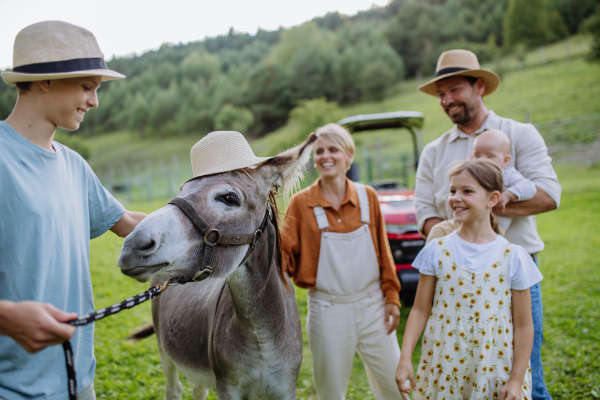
x=96 y=316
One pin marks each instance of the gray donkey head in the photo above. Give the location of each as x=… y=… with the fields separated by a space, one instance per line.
x=167 y=245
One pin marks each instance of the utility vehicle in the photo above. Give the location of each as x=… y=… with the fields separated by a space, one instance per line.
x=395 y=197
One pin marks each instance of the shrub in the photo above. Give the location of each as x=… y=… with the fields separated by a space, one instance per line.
x=231 y=118
x=75 y=143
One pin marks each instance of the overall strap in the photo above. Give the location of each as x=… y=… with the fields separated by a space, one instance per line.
x=321 y=217
x=363 y=200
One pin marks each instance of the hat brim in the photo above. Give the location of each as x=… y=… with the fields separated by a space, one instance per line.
x=232 y=166
x=14 y=77
x=492 y=81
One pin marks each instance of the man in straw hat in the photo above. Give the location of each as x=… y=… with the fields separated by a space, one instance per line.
x=51 y=205
x=460 y=85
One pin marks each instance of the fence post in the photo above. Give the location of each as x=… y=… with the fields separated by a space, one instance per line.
x=127 y=183
x=148 y=184
x=111 y=179
x=106 y=180
x=379 y=160
x=405 y=169
x=175 y=172
x=138 y=180
x=369 y=168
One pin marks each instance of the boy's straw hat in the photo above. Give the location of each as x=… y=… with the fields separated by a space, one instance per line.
x=222 y=151
x=55 y=50
x=460 y=62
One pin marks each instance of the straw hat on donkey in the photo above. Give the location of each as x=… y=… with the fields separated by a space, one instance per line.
x=460 y=62
x=56 y=50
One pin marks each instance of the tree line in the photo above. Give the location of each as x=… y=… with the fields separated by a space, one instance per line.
x=250 y=83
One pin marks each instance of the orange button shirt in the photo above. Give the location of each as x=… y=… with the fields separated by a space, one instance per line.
x=301 y=236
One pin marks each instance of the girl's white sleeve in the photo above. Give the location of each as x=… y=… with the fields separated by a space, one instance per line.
x=522 y=270
x=427 y=259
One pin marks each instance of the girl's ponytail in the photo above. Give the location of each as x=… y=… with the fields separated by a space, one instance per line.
x=495 y=225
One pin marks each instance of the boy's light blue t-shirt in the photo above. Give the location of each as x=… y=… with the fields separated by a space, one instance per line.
x=51 y=205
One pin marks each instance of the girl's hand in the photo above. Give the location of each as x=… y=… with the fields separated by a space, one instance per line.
x=512 y=390
x=404 y=372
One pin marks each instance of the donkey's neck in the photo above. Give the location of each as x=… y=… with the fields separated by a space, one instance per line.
x=258 y=297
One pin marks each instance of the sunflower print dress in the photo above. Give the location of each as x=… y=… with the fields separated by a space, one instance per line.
x=467 y=348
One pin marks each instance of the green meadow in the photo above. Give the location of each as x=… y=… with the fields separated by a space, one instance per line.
x=562 y=97
x=570 y=265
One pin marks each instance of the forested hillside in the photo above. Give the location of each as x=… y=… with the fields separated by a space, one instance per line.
x=250 y=83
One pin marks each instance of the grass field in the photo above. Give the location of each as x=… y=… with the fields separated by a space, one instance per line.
x=560 y=90
x=570 y=265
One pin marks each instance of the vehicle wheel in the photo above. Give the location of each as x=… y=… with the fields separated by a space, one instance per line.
x=407 y=297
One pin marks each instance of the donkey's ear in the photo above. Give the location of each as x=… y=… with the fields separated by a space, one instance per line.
x=286 y=169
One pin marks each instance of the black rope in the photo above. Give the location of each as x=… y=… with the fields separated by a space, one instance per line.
x=96 y=316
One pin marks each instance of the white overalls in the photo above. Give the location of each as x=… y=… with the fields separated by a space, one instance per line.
x=346 y=312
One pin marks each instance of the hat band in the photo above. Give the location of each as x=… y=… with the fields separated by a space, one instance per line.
x=53 y=67
x=445 y=71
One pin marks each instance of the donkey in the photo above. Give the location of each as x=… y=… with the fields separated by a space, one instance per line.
x=237 y=332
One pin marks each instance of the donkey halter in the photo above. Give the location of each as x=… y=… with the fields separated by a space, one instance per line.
x=212 y=237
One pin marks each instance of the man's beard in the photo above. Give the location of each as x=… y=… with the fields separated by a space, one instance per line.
x=464 y=117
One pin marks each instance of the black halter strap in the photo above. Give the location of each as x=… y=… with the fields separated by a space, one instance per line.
x=213 y=237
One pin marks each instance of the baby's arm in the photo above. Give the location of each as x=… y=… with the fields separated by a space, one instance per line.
x=506 y=197
x=414 y=327
x=521 y=187
x=523 y=341
x=518 y=188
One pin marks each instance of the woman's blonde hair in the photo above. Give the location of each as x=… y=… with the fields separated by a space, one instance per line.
x=339 y=136
x=488 y=175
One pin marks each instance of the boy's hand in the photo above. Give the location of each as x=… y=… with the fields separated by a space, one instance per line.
x=404 y=373
x=512 y=390
x=506 y=197
x=35 y=326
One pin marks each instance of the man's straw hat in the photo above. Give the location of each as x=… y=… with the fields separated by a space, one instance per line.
x=56 y=50
x=460 y=62
x=222 y=151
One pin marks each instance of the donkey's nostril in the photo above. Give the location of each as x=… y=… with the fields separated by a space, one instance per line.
x=148 y=245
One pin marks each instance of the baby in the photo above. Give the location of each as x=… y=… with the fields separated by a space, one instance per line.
x=494 y=145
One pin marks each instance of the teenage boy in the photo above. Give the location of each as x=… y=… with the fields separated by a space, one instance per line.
x=51 y=205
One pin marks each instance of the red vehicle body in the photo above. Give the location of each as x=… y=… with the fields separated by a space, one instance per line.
x=398 y=209
x=396 y=199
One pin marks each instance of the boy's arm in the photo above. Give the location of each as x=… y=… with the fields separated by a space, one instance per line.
x=35 y=326
x=127 y=223
x=523 y=341
x=442 y=229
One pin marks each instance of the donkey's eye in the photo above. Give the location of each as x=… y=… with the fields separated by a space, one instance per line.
x=231 y=199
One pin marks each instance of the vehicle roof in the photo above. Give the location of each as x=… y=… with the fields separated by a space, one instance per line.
x=397 y=119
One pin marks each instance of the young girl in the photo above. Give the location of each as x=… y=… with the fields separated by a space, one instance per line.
x=479 y=333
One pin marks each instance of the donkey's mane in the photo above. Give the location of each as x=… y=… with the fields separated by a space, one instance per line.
x=278 y=244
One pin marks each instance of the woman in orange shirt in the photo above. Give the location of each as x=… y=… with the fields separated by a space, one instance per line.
x=335 y=245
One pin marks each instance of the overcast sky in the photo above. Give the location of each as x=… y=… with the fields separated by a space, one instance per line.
x=124 y=27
